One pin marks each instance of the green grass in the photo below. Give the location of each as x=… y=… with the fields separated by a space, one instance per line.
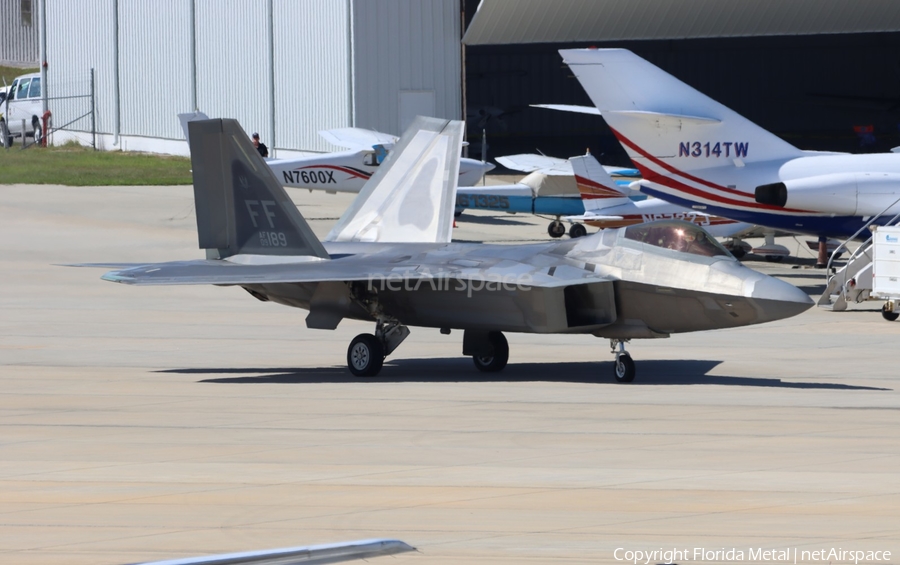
x=9 y=74
x=74 y=165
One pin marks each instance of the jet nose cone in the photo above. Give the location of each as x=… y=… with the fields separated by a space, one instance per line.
x=777 y=299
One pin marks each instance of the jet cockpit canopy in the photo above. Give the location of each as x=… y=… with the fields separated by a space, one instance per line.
x=677 y=235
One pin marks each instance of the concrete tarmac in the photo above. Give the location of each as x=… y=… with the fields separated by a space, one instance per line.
x=149 y=423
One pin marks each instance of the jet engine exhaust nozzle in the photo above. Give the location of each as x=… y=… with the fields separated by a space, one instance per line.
x=774 y=194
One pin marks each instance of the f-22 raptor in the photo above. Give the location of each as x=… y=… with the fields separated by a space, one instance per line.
x=389 y=260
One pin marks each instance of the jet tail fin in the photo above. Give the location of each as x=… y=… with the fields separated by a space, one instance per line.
x=598 y=190
x=411 y=198
x=666 y=126
x=241 y=207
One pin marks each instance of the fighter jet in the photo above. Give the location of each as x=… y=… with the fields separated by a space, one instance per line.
x=389 y=260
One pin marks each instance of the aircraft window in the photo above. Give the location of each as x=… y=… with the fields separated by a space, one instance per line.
x=677 y=236
x=35 y=91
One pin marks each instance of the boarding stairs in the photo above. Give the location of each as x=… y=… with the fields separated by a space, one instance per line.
x=853 y=281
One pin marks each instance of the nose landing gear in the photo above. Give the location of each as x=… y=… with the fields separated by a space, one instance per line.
x=624 y=365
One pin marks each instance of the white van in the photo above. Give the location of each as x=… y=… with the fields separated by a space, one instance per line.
x=23 y=102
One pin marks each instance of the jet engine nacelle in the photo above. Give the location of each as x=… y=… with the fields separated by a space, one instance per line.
x=844 y=194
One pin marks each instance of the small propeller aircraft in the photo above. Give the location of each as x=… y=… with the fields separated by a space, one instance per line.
x=345 y=171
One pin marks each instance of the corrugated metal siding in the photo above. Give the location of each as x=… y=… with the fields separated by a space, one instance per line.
x=400 y=45
x=155 y=66
x=546 y=21
x=18 y=41
x=80 y=37
x=233 y=63
x=405 y=45
x=312 y=71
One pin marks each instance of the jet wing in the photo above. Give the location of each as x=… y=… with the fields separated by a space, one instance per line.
x=307 y=555
x=236 y=271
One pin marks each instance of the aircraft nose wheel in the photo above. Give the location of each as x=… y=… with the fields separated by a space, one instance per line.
x=624 y=370
x=365 y=356
x=556 y=229
x=497 y=359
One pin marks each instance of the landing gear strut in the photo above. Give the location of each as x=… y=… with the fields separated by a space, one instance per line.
x=366 y=353
x=624 y=365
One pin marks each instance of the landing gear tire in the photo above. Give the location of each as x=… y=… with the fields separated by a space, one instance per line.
x=774 y=258
x=577 y=230
x=624 y=368
x=498 y=357
x=889 y=316
x=365 y=356
x=556 y=229
x=738 y=252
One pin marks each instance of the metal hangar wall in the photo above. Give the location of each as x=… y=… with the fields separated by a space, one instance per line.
x=283 y=68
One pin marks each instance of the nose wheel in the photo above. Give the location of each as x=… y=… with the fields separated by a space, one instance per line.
x=624 y=370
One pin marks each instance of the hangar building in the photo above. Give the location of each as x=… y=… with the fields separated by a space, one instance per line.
x=18 y=34
x=284 y=68
x=824 y=74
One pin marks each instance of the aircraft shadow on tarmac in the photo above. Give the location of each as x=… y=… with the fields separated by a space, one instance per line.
x=456 y=369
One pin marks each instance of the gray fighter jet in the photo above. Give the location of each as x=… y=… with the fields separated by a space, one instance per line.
x=389 y=260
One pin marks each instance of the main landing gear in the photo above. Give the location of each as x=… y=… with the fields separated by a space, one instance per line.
x=366 y=353
x=556 y=229
x=624 y=365
x=577 y=230
x=489 y=350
